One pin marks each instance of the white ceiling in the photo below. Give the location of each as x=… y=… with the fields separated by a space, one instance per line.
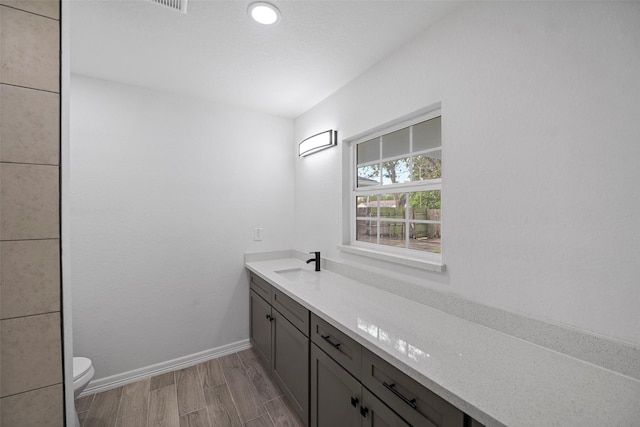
x=216 y=52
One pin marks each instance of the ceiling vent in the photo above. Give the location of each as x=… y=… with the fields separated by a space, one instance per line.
x=179 y=5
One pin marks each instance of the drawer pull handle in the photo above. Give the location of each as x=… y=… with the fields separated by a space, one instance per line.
x=354 y=401
x=363 y=411
x=392 y=389
x=269 y=318
x=327 y=338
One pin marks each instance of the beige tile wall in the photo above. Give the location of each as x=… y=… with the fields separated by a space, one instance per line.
x=31 y=368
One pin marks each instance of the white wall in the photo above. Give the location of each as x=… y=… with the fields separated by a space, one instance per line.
x=165 y=192
x=541 y=135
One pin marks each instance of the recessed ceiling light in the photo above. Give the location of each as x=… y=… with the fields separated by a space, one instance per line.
x=264 y=13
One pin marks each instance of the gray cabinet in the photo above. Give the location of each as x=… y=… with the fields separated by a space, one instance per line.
x=294 y=312
x=377 y=414
x=280 y=336
x=386 y=396
x=340 y=347
x=335 y=381
x=260 y=326
x=339 y=399
x=415 y=403
x=335 y=394
x=290 y=363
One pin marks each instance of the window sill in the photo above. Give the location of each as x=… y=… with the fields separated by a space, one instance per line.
x=422 y=264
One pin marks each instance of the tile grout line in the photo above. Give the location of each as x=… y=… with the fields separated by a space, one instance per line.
x=253 y=419
x=270 y=417
x=29 y=240
x=264 y=408
x=30 y=12
x=93 y=397
x=33 y=315
x=244 y=368
x=91 y=408
x=233 y=399
x=175 y=389
x=131 y=415
x=31 y=88
x=35 y=389
x=201 y=379
x=5 y=162
x=146 y=421
x=115 y=421
x=275 y=398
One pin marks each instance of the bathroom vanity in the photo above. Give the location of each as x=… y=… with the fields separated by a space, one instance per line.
x=349 y=354
x=308 y=357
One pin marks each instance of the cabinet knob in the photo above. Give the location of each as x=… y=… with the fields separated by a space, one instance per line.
x=269 y=318
x=364 y=411
x=354 y=401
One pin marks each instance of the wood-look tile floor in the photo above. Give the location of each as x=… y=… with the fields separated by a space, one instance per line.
x=233 y=390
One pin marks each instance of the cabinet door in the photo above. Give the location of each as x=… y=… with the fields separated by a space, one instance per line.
x=290 y=363
x=377 y=414
x=335 y=394
x=260 y=326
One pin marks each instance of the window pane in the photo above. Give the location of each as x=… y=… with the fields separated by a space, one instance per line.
x=427 y=135
x=425 y=237
x=369 y=151
x=367 y=231
x=395 y=143
x=427 y=166
x=395 y=172
x=367 y=206
x=393 y=205
x=425 y=205
x=393 y=233
x=368 y=175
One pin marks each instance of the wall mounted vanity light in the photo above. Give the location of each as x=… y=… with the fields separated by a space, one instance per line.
x=318 y=142
x=264 y=13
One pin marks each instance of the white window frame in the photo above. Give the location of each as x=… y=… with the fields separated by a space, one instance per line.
x=404 y=256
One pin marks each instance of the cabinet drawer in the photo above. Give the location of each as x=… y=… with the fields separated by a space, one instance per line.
x=261 y=287
x=411 y=400
x=339 y=346
x=293 y=311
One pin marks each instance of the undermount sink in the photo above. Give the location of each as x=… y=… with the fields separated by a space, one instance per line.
x=299 y=275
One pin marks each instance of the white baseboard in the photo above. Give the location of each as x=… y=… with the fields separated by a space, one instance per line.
x=114 y=381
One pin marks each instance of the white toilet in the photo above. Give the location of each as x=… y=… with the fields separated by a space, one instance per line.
x=82 y=373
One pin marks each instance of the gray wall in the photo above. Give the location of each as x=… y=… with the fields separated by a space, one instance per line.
x=164 y=194
x=540 y=131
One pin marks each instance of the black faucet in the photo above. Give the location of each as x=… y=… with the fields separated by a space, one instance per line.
x=315 y=259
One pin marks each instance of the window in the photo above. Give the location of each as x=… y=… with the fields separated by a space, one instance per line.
x=397 y=189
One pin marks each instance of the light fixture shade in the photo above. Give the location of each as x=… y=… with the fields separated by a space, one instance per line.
x=318 y=142
x=263 y=12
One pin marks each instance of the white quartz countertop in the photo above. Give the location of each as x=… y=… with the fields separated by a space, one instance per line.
x=495 y=378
